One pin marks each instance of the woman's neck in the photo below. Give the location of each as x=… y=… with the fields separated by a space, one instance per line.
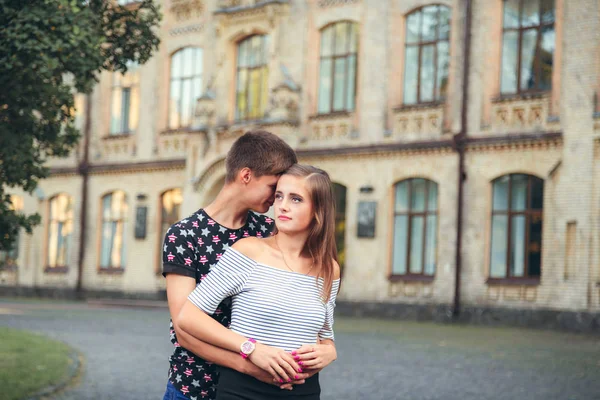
x=292 y=245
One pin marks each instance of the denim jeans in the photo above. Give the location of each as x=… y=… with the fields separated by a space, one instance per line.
x=173 y=394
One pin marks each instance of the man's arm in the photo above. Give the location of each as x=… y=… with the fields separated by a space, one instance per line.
x=178 y=289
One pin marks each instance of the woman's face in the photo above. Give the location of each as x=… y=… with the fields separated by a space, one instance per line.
x=293 y=206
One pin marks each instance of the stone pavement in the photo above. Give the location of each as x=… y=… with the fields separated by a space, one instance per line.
x=126 y=351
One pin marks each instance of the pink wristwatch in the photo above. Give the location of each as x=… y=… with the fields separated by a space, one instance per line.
x=247 y=347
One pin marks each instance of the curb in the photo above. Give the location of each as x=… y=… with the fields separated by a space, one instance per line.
x=156 y=304
x=74 y=372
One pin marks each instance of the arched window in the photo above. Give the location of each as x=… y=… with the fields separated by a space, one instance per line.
x=426 y=57
x=170 y=205
x=114 y=218
x=186 y=86
x=252 y=77
x=517 y=215
x=337 y=67
x=415 y=227
x=125 y=101
x=528 y=42
x=9 y=258
x=60 y=230
x=339 y=191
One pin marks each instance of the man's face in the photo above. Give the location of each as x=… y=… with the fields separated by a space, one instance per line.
x=261 y=192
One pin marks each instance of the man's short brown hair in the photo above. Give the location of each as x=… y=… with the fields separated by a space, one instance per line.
x=262 y=152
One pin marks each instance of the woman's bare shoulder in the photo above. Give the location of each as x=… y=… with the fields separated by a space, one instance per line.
x=336 y=270
x=250 y=246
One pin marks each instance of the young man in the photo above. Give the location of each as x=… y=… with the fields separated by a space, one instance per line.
x=193 y=245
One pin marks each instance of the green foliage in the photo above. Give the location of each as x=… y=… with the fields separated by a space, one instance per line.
x=48 y=50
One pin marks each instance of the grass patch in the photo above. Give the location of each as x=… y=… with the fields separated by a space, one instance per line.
x=30 y=362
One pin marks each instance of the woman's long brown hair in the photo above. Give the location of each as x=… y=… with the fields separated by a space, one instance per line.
x=320 y=244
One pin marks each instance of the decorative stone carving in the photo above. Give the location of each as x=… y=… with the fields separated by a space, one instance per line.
x=522 y=115
x=285 y=99
x=117 y=148
x=418 y=122
x=333 y=3
x=186 y=9
x=331 y=127
x=204 y=115
x=173 y=144
x=235 y=12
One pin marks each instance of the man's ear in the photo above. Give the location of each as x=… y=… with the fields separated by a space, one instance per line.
x=245 y=175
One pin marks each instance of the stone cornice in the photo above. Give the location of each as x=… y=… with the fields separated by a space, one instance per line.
x=146 y=166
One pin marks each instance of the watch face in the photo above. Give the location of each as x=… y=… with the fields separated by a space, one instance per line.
x=247 y=347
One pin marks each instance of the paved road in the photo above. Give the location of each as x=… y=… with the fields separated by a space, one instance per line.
x=126 y=353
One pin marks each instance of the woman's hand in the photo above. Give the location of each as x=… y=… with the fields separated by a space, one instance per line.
x=277 y=362
x=315 y=356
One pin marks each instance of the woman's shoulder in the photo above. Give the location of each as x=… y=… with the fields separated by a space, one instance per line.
x=251 y=246
x=336 y=270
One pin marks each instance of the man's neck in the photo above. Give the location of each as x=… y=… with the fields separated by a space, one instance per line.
x=227 y=209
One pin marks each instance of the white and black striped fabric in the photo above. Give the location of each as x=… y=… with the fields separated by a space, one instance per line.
x=276 y=307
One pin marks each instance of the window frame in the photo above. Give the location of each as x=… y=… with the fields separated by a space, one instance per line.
x=408 y=275
x=333 y=57
x=161 y=223
x=420 y=44
x=537 y=65
x=182 y=79
x=122 y=220
x=133 y=73
x=264 y=87
x=48 y=265
x=528 y=212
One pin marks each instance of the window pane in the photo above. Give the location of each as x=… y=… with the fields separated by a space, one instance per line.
x=401 y=197
x=509 y=62
x=122 y=255
x=338 y=85
x=547 y=57
x=531 y=13
x=400 y=243
x=327 y=41
x=254 y=52
x=537 y=193
x=242 y=78
x=413 y=23
x=427 y=73
x=443 y=62
x=517 y=246
x=350 y=79
x=325 y=86
x=176 y=65
x=115 y=111
x=242 y=53
x=254 y=96
x=548 y=12
x=187 y=61
x=511 y=13
x=518 y=201
x=106 y=244
x=416 y=245
x=429 y=23
x=134 y=108
x=52 y=243
x=175 y=104
x=115 y=260
x=432 y=196
x=411 y=72
x=125 y=107
x=417 y=203
x=341 y=38
x=186 y=102
x=499 y=246
x=106 y=210
x=353 y=47
x=528 y=44
x=430 y=249
x=444 y=23
x=535 y=245
x=501 y=193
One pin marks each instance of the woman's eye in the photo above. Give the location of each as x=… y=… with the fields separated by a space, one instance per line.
x=297 y=199
x=277 y=196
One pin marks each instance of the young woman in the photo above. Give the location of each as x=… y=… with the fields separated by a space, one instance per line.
x=283 y=289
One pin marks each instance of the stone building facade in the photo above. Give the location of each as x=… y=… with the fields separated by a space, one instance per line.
x=415 y=108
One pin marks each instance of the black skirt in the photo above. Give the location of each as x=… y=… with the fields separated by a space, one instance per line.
x=234 y=385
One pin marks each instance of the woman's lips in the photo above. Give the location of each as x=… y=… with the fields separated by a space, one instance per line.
x=283 y=218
